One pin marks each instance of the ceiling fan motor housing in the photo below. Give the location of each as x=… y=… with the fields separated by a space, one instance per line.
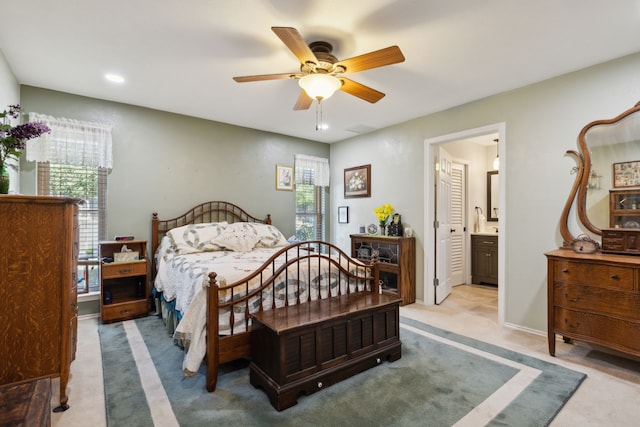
x=325 y=65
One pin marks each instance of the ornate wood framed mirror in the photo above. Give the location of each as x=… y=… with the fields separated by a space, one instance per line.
x=606 y=149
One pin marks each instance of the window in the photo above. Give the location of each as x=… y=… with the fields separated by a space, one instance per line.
x=88 y=183
x=312 y=185
x=310 y=207
x=73 y=160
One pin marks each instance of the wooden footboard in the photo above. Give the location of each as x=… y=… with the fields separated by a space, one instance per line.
x=224 y=345
x=345 y=276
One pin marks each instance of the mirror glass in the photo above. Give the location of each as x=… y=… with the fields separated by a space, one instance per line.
x=492 y=196
x=614 y=150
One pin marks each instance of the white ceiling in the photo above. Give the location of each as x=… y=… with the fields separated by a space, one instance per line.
x=180 y=56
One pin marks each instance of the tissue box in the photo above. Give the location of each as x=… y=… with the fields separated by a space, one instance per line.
x=125 y=256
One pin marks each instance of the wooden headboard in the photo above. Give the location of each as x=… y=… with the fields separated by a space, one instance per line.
x=214 y=211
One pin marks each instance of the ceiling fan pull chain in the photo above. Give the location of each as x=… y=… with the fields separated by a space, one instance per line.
x=319 y=120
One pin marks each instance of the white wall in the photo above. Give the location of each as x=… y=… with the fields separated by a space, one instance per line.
x=542 y=122
x=9 y=95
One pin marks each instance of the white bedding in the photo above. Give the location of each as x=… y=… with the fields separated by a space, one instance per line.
x=184 y=278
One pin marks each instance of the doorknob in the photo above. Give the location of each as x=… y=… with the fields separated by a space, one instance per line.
x=453 y=230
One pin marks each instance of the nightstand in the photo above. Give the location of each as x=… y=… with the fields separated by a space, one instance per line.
x=124 y=284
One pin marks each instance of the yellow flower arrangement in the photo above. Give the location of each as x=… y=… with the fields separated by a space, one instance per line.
x=383 y=213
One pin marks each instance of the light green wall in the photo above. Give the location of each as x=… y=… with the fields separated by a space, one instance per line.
x=542 y=122
x=166 y=163
x=162 y=161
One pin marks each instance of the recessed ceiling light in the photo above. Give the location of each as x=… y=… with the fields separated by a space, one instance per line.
x=114 y=78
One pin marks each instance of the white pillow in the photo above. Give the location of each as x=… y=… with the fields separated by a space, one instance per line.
x=269 y=236
x=237 y=237
x=194 y=238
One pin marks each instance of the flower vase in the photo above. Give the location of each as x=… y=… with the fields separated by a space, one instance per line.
x=4 y=181
x=383 y=228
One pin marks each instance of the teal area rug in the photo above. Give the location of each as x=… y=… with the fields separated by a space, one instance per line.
x=442 y=379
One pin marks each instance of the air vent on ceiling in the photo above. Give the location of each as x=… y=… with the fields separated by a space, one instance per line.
x=361 y=129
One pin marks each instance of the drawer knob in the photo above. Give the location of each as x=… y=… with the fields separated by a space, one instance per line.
x=125 y=270
x=576 y=299
x=319 y=384
x=565 y=270
x=571 y=325
x=614 y=277
x=378 y=360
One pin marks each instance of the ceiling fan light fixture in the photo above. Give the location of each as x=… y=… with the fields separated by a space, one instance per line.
x=319 y=86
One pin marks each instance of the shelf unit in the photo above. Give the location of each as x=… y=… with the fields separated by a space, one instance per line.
x=397 y=256
x=124 y=285
x=624 y=209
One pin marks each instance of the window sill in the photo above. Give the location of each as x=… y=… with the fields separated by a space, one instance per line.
x=91 y=296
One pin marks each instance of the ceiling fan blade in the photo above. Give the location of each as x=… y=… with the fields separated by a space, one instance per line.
x=296 y=44
x=378 y=58
x=244 y=79
x=304 y=101
x=361 y=91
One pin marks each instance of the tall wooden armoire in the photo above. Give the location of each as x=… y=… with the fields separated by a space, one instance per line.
x=38 y=288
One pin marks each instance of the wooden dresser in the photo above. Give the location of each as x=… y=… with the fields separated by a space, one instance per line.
x=594 y=298
x=38 y=288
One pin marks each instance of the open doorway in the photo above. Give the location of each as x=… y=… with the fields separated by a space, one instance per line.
x=433 y=258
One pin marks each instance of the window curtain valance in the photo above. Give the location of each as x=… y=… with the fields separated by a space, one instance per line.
x=319 y=165
x=71 y=142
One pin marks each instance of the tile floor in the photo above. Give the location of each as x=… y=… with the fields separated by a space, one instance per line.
x=610 y=396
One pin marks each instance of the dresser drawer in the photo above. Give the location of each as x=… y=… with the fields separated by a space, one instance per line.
x=124 y=269
x=597 y=300
x=126 y=310
x=619 y=334
x=601 y=275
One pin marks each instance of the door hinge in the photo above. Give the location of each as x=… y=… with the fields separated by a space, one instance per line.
x=436 y=224
x=436 y=282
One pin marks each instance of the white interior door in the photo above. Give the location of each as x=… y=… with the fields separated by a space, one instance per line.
x=442 y=280
x=458 y=247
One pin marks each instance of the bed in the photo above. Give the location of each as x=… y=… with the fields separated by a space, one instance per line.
x=207 y=292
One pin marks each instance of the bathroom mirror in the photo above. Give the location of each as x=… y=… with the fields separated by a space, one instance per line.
x=492 y=196
x=602 y=144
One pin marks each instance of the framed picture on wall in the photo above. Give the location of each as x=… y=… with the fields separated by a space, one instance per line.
x=343 y=214
x=357 y=181
x=626 y=174
x=284 y=178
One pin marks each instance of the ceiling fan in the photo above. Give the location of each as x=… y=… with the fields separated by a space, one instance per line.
x=321 y=73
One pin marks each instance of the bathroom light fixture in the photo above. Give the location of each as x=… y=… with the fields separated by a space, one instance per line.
x=594 y=180
x=319 y=86
x=496 y=161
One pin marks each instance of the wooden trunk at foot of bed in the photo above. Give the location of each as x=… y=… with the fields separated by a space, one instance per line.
x=238 y=345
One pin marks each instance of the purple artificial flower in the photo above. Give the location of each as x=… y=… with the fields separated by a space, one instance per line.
x=27 y=131
x=14 y=111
